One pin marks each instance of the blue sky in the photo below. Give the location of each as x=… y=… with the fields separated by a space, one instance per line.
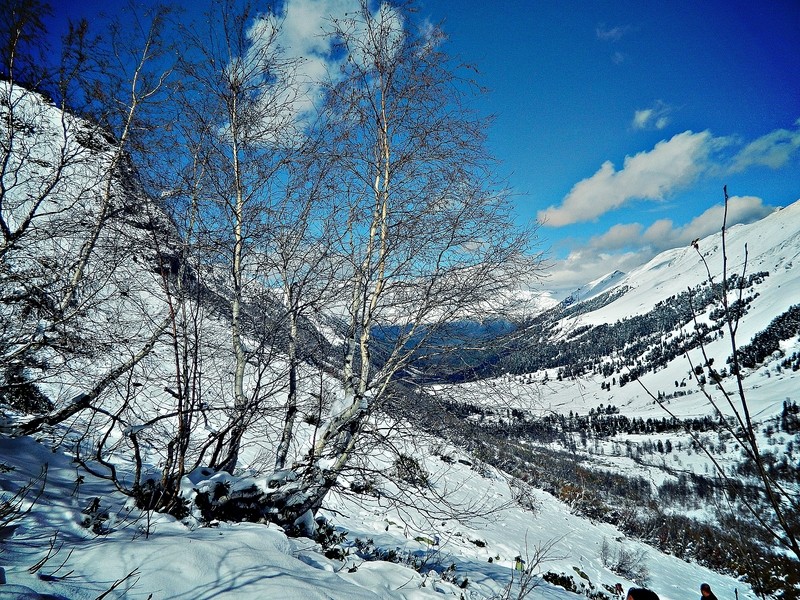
x=618 y=123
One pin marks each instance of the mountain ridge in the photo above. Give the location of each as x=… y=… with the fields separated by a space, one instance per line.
x=779 y=227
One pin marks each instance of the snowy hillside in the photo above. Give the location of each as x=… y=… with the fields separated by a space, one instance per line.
x=144 y=554
x=594 y=288
x=278 y=380
x=633 y=389
x=772 y=245
x=650 y=309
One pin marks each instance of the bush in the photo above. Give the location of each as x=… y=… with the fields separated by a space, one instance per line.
x=408 y=469
x=151 y=495
x=21 y=394
x=95 y=518
x=14 y=507
x=625 y=563
x=331 y=540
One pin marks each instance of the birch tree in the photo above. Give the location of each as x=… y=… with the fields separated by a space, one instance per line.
x=240 y=98
x=66 y=184
x=300 y=262
x=422 y=231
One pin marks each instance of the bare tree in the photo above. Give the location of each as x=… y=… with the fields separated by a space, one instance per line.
x=23 y=47
x=66 y=190
x=40 y=163
x=526 y=576
x=422 y=234
x=240 y=100
x=381 y=218
x=80 y=279
x=212 y=169
x=300 y=262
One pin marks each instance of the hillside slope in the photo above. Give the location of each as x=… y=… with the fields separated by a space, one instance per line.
x=144 y=554
x=650 y=324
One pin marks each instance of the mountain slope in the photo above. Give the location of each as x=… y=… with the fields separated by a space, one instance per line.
x=166 y=559
x=627 y=404
x=594 y=288
x=772 y=245
x=649 y=319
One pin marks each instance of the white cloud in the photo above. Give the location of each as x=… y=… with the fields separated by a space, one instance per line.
x=585 y=264
x=671 y=165
x=627 y=246
x=622 y=235
x=299 y=38
x=651 y=175
x=611 y=34
x=305 y=36
x=663 y=235
x=642 y=117
x=772 y=150
x=305 y=39
x=655 y=117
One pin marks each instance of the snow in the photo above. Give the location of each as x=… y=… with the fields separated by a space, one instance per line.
x=772 y=245
x=596 y=287
x=169 y=559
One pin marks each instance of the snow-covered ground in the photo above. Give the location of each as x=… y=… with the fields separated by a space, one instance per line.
x=169 y=559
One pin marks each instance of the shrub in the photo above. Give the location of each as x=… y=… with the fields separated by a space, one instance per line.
x=408 y=469
x=18 y=392
x=625 y=563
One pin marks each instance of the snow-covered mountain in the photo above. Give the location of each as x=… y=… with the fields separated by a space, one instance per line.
x=770 y=245
x=593 y=288
x=646 y=322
